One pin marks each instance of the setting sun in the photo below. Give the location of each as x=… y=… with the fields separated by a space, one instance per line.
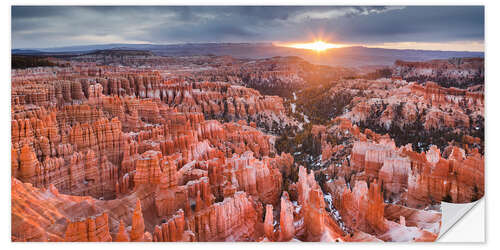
x=316 y=45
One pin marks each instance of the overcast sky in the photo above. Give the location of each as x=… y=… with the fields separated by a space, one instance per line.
x=457 y=28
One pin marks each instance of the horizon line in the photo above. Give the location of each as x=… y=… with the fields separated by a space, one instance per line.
x=263 y=42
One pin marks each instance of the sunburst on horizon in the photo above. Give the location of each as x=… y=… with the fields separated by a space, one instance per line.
x=317 y=45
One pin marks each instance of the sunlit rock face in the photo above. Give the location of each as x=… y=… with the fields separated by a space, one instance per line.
x=454 y=72
x=131 y=157
x=420 y=179
x=423 y=114
x=180 y=152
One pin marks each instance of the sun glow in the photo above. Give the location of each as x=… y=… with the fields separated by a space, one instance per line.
x=317 y=46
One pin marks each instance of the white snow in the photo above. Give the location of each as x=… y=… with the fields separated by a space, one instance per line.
x=306 y=119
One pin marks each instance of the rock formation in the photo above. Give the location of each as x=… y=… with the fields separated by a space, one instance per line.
x=202 y=148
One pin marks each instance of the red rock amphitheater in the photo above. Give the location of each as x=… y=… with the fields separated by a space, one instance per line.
x=106 y=153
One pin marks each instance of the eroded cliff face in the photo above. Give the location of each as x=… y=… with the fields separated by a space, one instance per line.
x=106 y=153
x=423 y=114
x=407 y=177
x=454 y=72
x=131 y=157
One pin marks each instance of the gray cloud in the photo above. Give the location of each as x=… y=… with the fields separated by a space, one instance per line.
x=50 y=26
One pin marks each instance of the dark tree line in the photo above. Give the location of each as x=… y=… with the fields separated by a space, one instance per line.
x=447 y=82
x=416 y=134
x=379 y=73
x=23 y=62
x=303 y=146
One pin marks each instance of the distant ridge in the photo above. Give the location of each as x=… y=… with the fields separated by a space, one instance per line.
x=347 y=56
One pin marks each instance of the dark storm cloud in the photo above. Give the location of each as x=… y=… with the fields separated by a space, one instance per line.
x=423 y=24
x=45 y=26
x=27 y=12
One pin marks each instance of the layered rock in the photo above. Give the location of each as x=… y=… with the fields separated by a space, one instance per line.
x=287 y=228
x=42 y=215
x=173 y=153
x=319 y=226
x=233 y=219
x=137 y=230
x=362 y=208
x=269 y=222
x=91 y=229
x=173 y=230
x=458 y=72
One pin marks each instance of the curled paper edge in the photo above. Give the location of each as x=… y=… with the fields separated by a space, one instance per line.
x=452 y=213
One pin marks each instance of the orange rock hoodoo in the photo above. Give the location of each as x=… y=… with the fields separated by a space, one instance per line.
x=164 y=154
